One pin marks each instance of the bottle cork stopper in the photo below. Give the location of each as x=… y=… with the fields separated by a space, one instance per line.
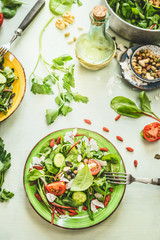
x=99 y=12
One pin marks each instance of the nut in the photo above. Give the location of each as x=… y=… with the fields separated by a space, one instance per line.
x=68 y=17
x=60 y=24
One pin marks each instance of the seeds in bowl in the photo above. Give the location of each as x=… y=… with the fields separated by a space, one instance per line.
x=146 y=64
x=155 y=2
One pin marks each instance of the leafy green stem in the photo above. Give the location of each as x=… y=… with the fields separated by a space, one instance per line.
x=156 y=118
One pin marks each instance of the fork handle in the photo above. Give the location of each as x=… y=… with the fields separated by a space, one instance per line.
x=155 y=181
x=31 y=15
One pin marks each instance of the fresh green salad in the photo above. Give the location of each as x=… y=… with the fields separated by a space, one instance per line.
x=69 y=175
x=138 y=12
x=7 y=77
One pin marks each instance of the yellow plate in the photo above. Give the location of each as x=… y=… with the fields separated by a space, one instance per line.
x=19 y=85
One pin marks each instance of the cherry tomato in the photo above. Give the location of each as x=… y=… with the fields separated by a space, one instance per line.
x=95 y=166
x=1 y=19
x=151 y=132
x=56 y=188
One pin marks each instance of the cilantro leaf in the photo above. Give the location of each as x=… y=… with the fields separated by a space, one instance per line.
x=51 y=115
x=65 y=110
x=79 y=98
x=58 y=100
x=5 y=195
x=41 y=86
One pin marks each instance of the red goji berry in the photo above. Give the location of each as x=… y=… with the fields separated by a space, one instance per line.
x=38 y=167
x=105 y=129
x=58 y=140
x=30 y=169
x=51 y=143
x=97 y=207
x=84 y=208
x=72 y=211
x=119 y=138
x=90 y=138
x=111 y=189
x=129 y=149
x=87 y=121
x=118 y=117
x=79 y=135
x=38 y=197
x=135 y=163
x=107 y=199
x=104 y=149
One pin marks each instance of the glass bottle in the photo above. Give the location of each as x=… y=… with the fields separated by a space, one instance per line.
x=96 y=48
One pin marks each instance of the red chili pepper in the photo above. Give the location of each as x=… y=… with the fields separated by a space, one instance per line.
x=63 y=211
x=53 y=212
x=57 y=175
x=72 y=211
x=33 y=183
x=51 y=143
x=87 y=121
x=104 y=149
x=84 y=208
x=119 y=138
x=152 y=26
x=118 y=117
x=73 y=146
x=135 y=163
x=38 y=197
x=60 y=206
x=107 y=199
x=38 y=167
x=1 y=19
x=105 y=129
x=8 y=90
x=73 y=214
x=129 y=149
x=111 y=189
x=79 y=135
x=59 y=211
x=58 y=140
x=90 y=138
x=97 y=207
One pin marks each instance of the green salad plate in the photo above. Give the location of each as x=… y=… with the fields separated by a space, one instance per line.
x=81 y=220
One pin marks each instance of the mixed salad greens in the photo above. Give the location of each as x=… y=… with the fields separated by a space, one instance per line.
x=69 y=173
x=7 y=77
x=138 y=12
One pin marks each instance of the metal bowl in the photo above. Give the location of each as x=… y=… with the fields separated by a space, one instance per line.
x=131 y=32
x=154 y=49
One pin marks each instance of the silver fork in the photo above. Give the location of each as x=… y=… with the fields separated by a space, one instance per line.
x=27 y=20
x=125 y=178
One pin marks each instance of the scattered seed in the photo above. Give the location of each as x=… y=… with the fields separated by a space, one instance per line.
x=157 y=156
x=67 y=34
x=70 y=41
x=74 y=39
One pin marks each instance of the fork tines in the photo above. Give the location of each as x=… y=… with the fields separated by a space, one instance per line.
x=116 y=177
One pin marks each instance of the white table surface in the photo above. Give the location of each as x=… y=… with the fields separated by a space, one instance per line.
x=138 y=216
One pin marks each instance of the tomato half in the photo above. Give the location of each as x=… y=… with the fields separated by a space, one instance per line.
x=151 y=132
x=56 y=188
x=1 y=18
x=94 y=166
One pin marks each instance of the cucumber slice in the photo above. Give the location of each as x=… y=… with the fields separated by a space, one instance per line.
x=2 y=79
x=79 y=197
x=59 y=160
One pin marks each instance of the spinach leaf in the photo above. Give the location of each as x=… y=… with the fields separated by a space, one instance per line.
x=11 y=3
x=59 y=7
x=9 y=7
x=125 y=106
x=8 y=12
x=34 y=174
x=50 y=167
x=145 y=103
x=83 y=179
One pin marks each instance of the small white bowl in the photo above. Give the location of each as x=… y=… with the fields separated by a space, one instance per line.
x=154 y=49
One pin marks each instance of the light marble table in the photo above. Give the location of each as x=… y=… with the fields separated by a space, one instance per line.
x=138 y=216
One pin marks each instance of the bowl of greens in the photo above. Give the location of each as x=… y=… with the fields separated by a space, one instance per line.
x=12 y=85
x=64 y=178
x=137 y=21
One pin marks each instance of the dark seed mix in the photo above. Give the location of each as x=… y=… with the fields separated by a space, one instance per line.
x=157 y=156
x=146 y=64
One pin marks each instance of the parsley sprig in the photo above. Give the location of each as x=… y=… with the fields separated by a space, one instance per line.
x=60 y=75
